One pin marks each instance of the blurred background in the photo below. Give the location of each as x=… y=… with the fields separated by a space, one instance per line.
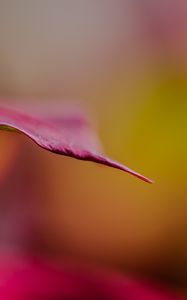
x=126 y=62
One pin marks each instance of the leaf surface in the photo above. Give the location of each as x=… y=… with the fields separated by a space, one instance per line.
x=69 y=134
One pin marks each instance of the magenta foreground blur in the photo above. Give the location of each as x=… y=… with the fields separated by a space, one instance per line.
x=29 y=278
x=70 y=135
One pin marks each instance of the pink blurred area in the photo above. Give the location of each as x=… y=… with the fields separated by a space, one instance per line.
x=126 y=61
x=33 y=278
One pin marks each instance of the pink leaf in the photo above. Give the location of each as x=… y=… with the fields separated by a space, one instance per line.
x=69 y=135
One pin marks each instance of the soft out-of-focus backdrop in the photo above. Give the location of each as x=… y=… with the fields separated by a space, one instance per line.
x=126 y=61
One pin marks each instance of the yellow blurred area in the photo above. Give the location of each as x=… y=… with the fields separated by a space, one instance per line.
x=129 y=67
x=8 y=154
